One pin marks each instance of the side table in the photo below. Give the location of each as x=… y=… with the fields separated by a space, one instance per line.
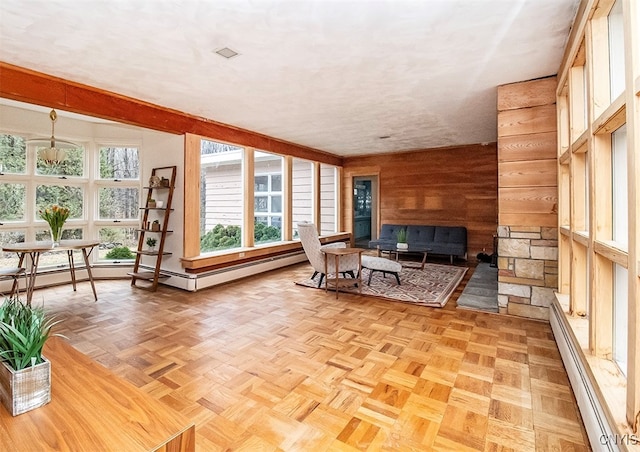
x=337 y=281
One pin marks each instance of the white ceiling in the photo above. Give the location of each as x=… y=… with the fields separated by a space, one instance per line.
x=330 y=74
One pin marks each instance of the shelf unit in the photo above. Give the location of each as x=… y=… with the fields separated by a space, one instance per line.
x=150 y=214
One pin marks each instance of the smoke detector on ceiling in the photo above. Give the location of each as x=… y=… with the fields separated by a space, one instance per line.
x=226 y=52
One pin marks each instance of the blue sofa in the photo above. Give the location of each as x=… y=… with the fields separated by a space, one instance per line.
x=447 y=240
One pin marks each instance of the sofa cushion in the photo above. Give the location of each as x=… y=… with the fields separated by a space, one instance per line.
x=390 y=232
x=420 y=234
x=450 y=234
x=451 y=249
x=381 y=264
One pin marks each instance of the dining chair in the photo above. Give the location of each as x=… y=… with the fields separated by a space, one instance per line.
x=14 y=273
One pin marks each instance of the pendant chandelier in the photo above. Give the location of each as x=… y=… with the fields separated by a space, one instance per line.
x=56 y=152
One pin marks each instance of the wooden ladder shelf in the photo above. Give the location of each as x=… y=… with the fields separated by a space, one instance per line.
x=155 y=224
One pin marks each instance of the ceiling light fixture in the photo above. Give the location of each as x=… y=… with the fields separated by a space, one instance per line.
x=227 y=52
x=56 y=152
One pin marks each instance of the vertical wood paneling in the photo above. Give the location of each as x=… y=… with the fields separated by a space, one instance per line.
x=454 y=186
x=248 y=230
x=191 y=237
x=287 y=203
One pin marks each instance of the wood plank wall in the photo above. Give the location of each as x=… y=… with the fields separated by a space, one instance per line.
x=454 y=186
x=527 y=198
x=527 y=173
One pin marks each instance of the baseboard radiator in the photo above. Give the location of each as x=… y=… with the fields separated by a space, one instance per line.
x=596 y=423
x=198 y=281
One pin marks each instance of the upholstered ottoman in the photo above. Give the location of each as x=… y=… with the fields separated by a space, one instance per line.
x=380 y=264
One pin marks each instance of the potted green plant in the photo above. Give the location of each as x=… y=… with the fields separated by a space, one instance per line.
x=402 y=239
x=151 y=242
x=25 y=375
x=152 y=203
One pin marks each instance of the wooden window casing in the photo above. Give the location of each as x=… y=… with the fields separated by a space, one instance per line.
x=589 y=112
x=194 y=261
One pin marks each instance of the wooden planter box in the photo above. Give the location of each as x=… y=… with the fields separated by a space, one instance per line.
x=26 y=389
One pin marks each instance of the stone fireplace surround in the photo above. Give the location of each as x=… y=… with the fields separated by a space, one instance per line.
x=527 y=270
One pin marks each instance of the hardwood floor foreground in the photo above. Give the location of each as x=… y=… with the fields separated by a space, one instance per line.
x=263 y=364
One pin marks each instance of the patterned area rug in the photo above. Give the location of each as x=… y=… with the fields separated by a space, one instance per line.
x=432 y=286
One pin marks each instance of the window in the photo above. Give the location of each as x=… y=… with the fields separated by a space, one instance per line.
x=221 y=196
x=620 y=316
x=267 y=187
x=579 y=110
x=119 y=163
x=64 y=184
x=115 y=203
x=13 y=154
x=581 y=191
x=244 y=189
x=71 y=166
x=117 y=244
x=71 y=196
x=587 y=201
x=616 y=50
x=620 y=187
x=107 y=197
x=599 y=266
x=118 y=202
x=12 y=202
x=14 y=236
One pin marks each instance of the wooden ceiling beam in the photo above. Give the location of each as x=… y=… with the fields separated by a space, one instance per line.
x=33 y=87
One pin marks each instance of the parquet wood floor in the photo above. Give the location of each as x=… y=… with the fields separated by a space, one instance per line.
x=263 y=364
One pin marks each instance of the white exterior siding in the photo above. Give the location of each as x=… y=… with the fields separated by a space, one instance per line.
x=328 y=221
x=302 y=193
x=223 y=196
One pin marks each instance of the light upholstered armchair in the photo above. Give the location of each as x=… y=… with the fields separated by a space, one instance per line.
x=313 y=249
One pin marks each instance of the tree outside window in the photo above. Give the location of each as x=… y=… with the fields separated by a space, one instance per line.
x=13 y=154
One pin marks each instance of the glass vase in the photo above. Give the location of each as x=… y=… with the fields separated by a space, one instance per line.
x=56 y=235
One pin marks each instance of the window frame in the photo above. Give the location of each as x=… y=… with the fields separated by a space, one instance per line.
x=600 y=250
x=88 y=224
x=194 y=260
x=98 y=223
